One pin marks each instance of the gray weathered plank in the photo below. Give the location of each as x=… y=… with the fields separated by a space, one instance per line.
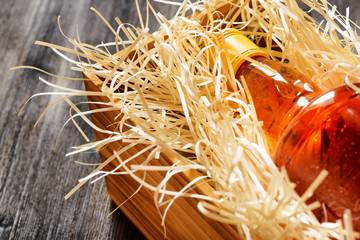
x=33 y=176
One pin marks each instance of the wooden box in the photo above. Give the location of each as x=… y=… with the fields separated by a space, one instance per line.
x=183 y=220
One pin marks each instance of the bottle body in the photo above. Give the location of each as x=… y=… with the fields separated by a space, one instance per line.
x=326 y=136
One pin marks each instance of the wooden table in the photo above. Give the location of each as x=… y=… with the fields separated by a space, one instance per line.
x=34 y=177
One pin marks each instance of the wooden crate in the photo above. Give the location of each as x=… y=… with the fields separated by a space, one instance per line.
x=183 y=221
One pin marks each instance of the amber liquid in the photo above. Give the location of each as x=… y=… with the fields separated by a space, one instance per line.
x=312 y=131
x=326 y=136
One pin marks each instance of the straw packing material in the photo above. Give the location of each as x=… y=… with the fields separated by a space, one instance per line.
x=173 y=99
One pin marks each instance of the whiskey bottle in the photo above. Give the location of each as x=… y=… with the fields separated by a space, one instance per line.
x=307 y=130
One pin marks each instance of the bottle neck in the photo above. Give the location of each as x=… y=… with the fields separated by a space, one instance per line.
x=278 y=93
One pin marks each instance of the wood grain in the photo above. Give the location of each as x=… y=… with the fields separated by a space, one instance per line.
x=34 y=177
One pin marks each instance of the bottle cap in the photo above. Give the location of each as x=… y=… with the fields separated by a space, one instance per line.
x=237 y=43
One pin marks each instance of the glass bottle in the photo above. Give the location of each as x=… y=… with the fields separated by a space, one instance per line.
x=311 y=130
